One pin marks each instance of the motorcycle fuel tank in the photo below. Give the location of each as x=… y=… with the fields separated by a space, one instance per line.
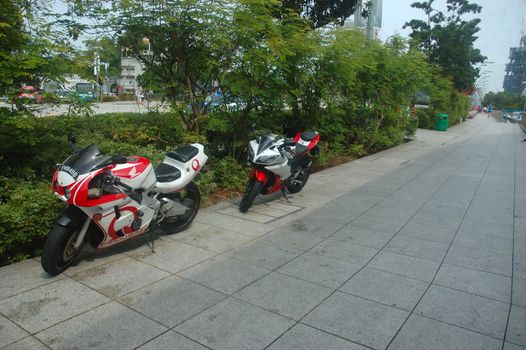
x=137 y=172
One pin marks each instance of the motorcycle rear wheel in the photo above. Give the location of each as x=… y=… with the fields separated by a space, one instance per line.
x=252 y=189
x=300 y=181
x=175 y=225
x=59 y=249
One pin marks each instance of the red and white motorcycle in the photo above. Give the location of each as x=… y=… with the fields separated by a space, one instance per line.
x=115 y=198
x=278 y=165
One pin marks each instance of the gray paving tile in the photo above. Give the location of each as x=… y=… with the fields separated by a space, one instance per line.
x=299 y=240
x=387 y=288
x=519 y=292
x=481 y=214
x=171 y=341
x=476 y=282
x=352 y=253
x=284 y=295
x=264 y=255
x=519 y=267
x=484 y=243
x=479 y=260
x=357 y=319
x=465 y=310
x=23 y=276
x=439 y=216
x=90 y=258
x=420 y=333
x=431 y=232
x=224 y=274
x=10 y=332
x=409 y=266
x=510 y=346
x=28 y=343
x=362 y=236
x=384 y=219
x=315 y=227
x=345 y=209
x=320 y=269
x=110 y=326
x=183 y=298
x=214 y=239
x=245 y=227
x=301 y=337
x=174 y=256
x=44 y=306
x=233 y=324
x=120 y=277
x=420 y=248
x=516 y=333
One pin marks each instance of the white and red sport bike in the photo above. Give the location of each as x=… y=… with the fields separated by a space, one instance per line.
x=115 y=198
x=278 y=165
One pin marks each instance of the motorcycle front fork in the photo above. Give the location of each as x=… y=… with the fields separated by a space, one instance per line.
x=82 y=233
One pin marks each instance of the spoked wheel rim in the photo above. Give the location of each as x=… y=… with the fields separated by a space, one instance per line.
x=191 y=197
x=69 y=250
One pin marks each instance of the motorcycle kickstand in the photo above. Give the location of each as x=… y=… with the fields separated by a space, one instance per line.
x=152 y=236
x=284 y=192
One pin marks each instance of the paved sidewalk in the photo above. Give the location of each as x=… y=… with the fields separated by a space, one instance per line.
x=422 y=246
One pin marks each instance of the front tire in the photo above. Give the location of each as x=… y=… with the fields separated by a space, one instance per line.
x=178 y=224
x=253 y=188
x=59 y=249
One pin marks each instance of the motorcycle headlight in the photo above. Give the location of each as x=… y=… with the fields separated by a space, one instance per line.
x=67 y=192
x=94 y=193
x=267 y=159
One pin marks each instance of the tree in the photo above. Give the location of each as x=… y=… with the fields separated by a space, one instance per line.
x=322 y=12
x=504 y=100
x=31 y=48
x=447 y=39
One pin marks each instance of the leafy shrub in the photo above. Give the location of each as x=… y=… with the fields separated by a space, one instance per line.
x=230 y=174
x=27 y=212
x=425 y=118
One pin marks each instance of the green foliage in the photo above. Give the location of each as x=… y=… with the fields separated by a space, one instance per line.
x=229 y=173
x=504 y=100
x=27 y=212
x=321 y=13
x=447 y=39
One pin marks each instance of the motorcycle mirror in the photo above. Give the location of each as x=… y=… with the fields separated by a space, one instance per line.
x=71 y=141
x=118 y=159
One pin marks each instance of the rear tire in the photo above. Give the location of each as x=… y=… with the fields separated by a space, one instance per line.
x=59 y=251
x=252 y=189
x=302 y=179
x=175 y=225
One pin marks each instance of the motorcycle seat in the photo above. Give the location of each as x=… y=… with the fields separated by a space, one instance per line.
x=308 y=135
x=183 y=154
x=167 y=173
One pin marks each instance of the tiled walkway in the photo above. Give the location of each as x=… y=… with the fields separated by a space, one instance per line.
x=419 y=247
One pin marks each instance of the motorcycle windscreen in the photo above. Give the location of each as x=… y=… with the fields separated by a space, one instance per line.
x=265 y=142
x=83 y=161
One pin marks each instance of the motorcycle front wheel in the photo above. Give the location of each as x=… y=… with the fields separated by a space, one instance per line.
x=252 y=189
x=190 y=195
x=59 y=249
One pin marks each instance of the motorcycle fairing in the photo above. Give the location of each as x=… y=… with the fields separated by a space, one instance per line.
x=305 y=141
x=188 y=169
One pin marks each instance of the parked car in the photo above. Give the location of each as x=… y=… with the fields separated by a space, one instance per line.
x=515 y=116
x=30 y=93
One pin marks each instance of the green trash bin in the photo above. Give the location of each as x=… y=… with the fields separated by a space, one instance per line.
x=441 y=122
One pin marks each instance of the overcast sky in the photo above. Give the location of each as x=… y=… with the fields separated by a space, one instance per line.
x=500 y=29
